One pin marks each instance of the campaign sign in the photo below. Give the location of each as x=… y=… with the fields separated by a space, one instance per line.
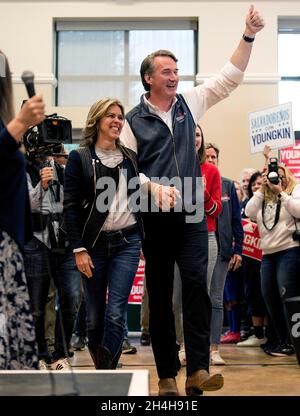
x=272 y=126
x=290 y=156
x=137 y=289
x=251 y=243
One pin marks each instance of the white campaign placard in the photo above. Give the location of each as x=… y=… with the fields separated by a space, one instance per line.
x=272 y=126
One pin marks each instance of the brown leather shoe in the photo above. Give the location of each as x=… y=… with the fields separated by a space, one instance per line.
x=167 y=387
x=200 y=380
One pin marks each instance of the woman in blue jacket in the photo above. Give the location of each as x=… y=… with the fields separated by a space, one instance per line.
x=17 y=336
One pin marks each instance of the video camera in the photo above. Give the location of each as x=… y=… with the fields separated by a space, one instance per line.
x=47 y=138
x=273 y=171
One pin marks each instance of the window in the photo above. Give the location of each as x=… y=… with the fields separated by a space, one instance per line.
x=102 y=58
x=289 y=65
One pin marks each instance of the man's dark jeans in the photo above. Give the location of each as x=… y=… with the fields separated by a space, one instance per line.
x=169 y=239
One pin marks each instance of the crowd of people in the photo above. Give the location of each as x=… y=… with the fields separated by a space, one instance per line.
x=87 y=221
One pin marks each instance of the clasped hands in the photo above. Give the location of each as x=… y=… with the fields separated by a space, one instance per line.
x=165 y=197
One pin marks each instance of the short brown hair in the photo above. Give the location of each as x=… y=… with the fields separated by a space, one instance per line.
x=147 y=66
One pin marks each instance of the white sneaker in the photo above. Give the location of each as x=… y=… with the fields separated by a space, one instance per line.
x=216 y=359
x=181 y=355
x=43 y=365
x=62 y=364
x=252 y=341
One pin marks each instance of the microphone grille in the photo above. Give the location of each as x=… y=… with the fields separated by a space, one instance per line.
x=27 y=76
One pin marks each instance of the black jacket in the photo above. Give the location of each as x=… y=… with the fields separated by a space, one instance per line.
x=82 y=220
x=229 y=226
x=14 y=200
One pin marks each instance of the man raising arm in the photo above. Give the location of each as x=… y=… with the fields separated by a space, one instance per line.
x=161 y=129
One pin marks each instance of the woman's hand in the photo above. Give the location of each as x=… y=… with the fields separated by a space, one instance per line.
x=84 y=263
x=235 y=262
x=277 y=189
x=266 y=152
x=264 y=183
x=31 y=114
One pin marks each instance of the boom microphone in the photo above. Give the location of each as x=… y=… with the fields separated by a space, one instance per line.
x=27 y=77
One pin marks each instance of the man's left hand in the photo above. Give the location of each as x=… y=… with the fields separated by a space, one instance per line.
x=254 y=21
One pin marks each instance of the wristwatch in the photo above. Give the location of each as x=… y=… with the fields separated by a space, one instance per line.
x=248 y=39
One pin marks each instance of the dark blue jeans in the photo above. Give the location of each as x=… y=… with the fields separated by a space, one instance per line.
x=38 y=259
x=168 y=240
x=116 y=261
x=279 y=281
x=80 y=326
x=252 y=286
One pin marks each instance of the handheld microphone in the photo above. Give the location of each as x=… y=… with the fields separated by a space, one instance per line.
x=28 y=77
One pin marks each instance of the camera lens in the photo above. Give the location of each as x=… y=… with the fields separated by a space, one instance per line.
x=273 y=178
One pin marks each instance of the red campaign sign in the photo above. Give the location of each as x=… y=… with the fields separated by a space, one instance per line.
x=137 y=289
x=251 y=243
x=290 y=156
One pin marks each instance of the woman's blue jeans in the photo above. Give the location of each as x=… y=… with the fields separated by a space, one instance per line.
x=115 y=259
x=216 y=292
